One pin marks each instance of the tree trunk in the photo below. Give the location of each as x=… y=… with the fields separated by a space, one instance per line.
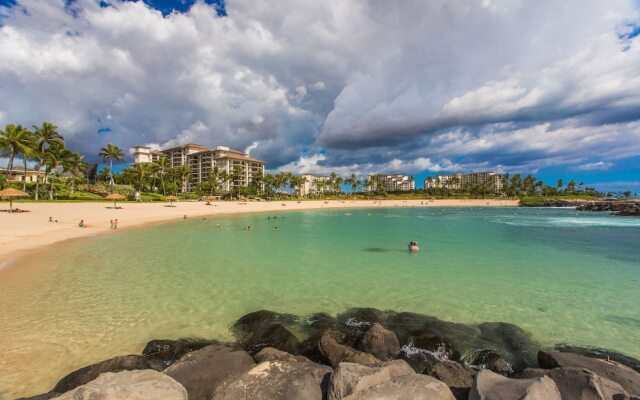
x=37 y=197
x=111 y=172
x=24 y=182
x=10 y=166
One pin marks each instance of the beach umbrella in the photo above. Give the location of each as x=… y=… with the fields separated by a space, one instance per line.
x=10 y=193
x=171 y=199
x=115 y=197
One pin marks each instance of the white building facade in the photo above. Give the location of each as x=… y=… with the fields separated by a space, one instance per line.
x=461 y=181
x=389 y=183
x=202 y=161
x=315 y=185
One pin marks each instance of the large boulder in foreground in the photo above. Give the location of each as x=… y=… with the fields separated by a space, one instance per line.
x=380 y=342
x=91 y=372
x=457 y=376
x=491 y=386
x=407 y=387
x=160 y=353
x=324 y=347
x=202 y=371
x=271 y=354
x=349 y=378
x=277 y=380
x=616 y=372
x=131 y=385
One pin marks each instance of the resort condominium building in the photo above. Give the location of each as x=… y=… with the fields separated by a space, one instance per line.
x=314 y=185
x=460 y=181
x=390 y=183
x=202 y=160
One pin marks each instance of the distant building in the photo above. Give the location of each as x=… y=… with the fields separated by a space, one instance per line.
x=461 y=181
x=315 y=185
x=389 y=183
x=201 y=161
x=17 y=175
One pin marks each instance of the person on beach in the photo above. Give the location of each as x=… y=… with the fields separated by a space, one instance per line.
x=81 y=224
x=185 y=216
x=111 y=226
x=115 y=224
x=50 y=219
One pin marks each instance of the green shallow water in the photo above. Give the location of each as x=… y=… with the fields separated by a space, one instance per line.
x=566 y=277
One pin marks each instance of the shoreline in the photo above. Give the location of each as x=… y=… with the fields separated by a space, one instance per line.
x=31 y=231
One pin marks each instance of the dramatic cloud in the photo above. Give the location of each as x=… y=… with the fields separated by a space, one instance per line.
x=596 y=166
x=353 y=86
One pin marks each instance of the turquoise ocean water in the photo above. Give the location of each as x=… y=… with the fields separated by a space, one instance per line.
x=566 y=277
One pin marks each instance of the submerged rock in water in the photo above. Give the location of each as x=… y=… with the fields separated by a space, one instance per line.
x=139 y=385
x=380 y=342
x=491 y=386
x=271 y=335
x=515 y=344
x=160 y=353
x=318 y=321
x=202 y=371
x=616 y=372
x=460 y=336
x=252 y=321
x=91 y=372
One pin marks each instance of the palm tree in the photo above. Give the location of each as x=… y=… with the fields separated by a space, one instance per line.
x=44 y=136
x=15 y=140
x=184 y=172
x=163 y=167
x=74 y=164
x=224 y=178
x=112 y=153
x=138 y=174
x=55 y=156
x=236 y=175
x=213 y=180
x=354 y=182
x=559 y=185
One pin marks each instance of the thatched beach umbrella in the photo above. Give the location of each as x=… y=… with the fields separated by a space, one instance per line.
x=171 y=199
x=10 y=193
x=115 y=197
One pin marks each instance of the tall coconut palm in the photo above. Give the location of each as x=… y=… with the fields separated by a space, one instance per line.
x=74 y=164
x=354 y=182
x=55 y=157
x=163 y=167
x=15 y=140
x=184 y=173
x=224 y=178
x=213 y=180
x=111 y=153
x=44 y=136
x=138 y=174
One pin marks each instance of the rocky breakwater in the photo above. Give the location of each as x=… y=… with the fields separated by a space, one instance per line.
x=362 y=353
x=620 y=208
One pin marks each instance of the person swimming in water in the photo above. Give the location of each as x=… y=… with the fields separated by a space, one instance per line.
x=413 y=246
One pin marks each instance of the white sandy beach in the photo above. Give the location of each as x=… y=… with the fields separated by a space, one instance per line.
x=23 y=233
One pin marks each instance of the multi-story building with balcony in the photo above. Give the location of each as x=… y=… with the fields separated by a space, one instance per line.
x=462 y=181
x=389 y=183
x=202 y=161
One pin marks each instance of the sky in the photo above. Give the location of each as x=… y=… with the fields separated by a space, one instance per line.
x=361 y=86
